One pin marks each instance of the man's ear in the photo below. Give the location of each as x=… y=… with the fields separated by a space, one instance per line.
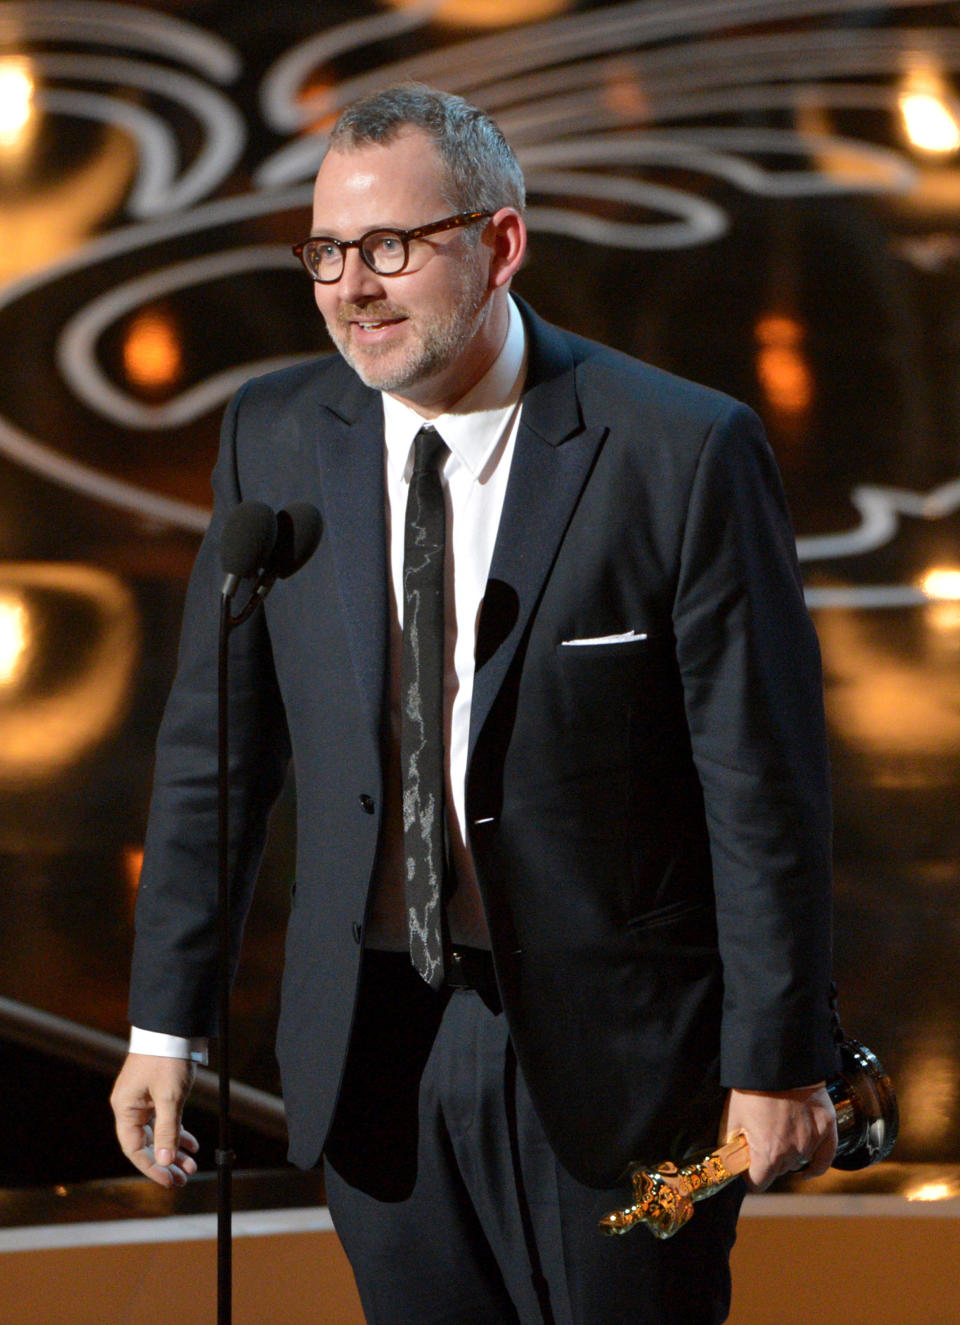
x=507 y=236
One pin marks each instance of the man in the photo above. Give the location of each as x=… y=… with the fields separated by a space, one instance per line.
x=635 y=921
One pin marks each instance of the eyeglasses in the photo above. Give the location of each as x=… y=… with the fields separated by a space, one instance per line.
x=387 y=252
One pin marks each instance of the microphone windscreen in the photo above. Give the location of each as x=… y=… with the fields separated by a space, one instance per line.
x=299 y=527
x=248 y=538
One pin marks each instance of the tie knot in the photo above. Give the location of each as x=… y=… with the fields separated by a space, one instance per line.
x=427 y=446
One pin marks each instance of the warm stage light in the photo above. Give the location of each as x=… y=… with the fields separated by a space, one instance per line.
x=51 y=716
x=16 y=99
x=782 y=367
x=930 y=125
x=14 y=638
x=933 y=1191
x=487 y=13
x=132 y=866
x=942 y=584
x=152 y=354
x=929 y=112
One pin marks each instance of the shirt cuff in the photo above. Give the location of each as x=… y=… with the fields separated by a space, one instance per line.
x=168 y=1046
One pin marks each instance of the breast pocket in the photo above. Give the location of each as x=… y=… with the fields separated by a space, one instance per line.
x=605 y=646
x=600 y=680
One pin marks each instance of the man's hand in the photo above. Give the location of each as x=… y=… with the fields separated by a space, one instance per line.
x=148 y=1099
x=787 y=1130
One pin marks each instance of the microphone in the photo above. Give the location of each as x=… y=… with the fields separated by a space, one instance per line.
x=284 y=542
x=298 y=532
x=248 y=539
x=299 y=527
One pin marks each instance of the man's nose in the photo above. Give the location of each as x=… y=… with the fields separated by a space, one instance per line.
x=358 y=281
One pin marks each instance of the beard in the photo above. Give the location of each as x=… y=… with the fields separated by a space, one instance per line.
x=438 y=341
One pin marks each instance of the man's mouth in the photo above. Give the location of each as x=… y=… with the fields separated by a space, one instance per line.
x=369 y=319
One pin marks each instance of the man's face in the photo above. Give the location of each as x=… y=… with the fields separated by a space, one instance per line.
x=421 y=335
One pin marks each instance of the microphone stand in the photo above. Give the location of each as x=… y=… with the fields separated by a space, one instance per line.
x=300 y=527
x=224 y=1152
x=224 y=1155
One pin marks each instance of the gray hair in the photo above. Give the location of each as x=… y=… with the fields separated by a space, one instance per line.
x=482 y=173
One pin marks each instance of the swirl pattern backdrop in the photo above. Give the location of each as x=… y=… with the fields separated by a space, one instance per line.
x=759 y=194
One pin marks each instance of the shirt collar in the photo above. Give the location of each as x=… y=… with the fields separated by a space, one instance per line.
x=474 y=427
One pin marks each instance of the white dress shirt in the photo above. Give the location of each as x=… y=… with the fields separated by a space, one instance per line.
x=480 y=431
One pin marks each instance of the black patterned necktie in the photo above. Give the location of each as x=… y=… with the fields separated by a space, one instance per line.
x=421 y=704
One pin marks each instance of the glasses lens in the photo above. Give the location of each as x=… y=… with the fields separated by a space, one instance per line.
x=385 y=252
x=323 y=259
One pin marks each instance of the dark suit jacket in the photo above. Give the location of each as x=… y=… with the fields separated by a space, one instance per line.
x=650 y=819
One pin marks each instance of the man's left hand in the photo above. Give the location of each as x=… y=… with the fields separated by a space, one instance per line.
x=787 y=1130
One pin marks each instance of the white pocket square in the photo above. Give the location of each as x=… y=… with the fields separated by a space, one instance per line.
x=625 y=638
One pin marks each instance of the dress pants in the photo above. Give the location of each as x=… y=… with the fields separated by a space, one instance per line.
x=452 y=1208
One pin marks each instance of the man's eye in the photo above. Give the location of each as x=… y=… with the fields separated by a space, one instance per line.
x=326 y=252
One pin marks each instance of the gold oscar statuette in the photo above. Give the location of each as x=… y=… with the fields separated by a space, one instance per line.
x=867 y=1121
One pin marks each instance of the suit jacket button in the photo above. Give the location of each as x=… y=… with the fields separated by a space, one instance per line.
x=367 y=804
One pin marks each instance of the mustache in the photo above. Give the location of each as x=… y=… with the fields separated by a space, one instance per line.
x=375 y=311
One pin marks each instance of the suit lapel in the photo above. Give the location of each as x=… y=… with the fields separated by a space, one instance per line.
x=350 y=461
x=553 y=456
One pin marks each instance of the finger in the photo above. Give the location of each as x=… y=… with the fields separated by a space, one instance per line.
x=174 y=1174
x=823 y=1156
x=185 y=1153
x=165 y=1175
x=144 y=1159
x=131 y=1133
x=769 y=1165
x=760 y=1178
x=762 y=1172
x=166 y=1127
x=183 y=1159
x=136 y=1136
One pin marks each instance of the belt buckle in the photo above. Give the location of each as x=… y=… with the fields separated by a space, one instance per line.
x=474 y=970
x=456 y=971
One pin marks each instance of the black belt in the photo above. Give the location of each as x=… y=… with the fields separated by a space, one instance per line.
x=472 y=968
x=466 y=968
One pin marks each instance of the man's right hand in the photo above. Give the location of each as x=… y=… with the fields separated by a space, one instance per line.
x=147 y=1100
